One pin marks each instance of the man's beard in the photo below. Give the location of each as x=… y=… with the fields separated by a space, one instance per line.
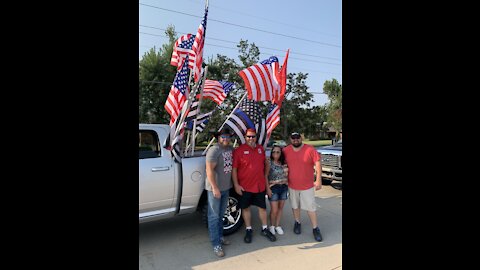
x=297 y=144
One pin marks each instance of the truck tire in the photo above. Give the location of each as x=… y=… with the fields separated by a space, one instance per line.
x=232 y=220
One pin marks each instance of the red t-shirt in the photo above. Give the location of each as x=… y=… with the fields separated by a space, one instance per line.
x=250 y=165
x=300 y=166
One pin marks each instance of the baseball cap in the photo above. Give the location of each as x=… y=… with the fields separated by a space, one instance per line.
x=295 y=135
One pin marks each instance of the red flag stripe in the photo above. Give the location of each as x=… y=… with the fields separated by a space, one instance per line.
x=179 y=54
x=174 y=103
x=214 y=91
x=260 y=82
x=265 y=82
x=273 y=120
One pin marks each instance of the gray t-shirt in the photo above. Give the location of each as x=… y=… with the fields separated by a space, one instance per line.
x=223 y=170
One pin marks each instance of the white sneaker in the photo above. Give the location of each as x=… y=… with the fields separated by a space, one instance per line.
x=272 y=229
x=279 y=230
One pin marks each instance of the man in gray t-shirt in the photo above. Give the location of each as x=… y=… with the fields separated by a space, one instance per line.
x=219 y=162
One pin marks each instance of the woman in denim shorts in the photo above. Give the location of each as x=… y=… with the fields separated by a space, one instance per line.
x=277 y=188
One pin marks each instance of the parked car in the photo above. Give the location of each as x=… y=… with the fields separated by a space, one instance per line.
x=331 y=162
x=281 y=143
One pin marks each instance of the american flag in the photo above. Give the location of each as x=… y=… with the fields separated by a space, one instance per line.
x=182 y=48
x=245 y=117
x=202 y=121
x=192 y=112
x=216 y=90
x=174 y=144
x=177 y=96
x=261 y=80
x=251 y=109
x=273 y=118
x=261 y=130
x=197 y=48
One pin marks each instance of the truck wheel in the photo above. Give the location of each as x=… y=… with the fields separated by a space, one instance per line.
x=232 y=220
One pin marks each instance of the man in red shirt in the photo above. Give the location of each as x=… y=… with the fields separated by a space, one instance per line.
x=248 y=177
x=301 y=158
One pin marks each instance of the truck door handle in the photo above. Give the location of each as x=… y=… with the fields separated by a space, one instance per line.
x=159 y=169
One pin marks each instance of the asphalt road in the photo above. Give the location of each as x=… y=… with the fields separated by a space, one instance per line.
x=182 y=242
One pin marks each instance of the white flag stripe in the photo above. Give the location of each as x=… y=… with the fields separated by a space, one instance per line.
x=237 y=131
x=235 y=123
x=267 y=86
x=260 y=128
x=253 y=84
x=215 y=90
x=260 y=79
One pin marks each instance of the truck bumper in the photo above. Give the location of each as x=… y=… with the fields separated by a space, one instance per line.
x=332 y=173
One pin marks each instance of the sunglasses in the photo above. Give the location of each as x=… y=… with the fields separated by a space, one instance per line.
x=295 y=137
x=225 y=136
x=276 y=152
x=251 y=136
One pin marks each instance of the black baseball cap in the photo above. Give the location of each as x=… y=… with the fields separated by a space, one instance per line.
x=225 y=130
x=295 y=135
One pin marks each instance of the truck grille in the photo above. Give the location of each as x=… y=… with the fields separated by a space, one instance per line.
x=330 y=160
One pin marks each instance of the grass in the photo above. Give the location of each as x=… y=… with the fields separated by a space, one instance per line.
x=318 y=143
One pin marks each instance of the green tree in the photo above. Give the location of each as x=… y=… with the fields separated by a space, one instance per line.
x=296 y=105
x=249 y=53
x=334 y=92
x=155 y=78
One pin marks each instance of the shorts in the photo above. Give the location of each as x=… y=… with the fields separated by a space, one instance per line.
x=249 y=198
x=279 y=193
x=305 y=199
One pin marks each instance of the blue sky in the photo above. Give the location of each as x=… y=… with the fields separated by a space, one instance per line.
x=315 y=28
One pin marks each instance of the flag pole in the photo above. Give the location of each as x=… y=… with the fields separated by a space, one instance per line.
x=187 y=143
x=198 y=109
x=185 y=107
x=238 y=104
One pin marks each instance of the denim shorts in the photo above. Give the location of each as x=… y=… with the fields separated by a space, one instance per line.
x=279 y=192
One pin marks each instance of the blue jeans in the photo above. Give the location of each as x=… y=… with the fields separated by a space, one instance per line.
x=279 y=192
x=216 y=211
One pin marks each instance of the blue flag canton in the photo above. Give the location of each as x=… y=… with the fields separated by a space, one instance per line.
x=187 y=44
x=272 y=107
x=227 y=86
x=204 y=21
x=270 y=60
x=180 y=81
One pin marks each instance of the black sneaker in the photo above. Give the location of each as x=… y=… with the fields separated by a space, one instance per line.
x=317 y=235
x=297 y=228
x=269 y=235
x=248 y=236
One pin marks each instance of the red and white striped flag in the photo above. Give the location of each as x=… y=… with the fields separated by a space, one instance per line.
x=273 y=118
x=197 y=48
x=216 y=90
x=182 y=48
x=261 y=80
x=177 y=96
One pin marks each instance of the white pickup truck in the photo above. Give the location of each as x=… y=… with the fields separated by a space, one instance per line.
x=167 y=189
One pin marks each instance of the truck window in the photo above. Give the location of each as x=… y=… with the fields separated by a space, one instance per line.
x=148 y=146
